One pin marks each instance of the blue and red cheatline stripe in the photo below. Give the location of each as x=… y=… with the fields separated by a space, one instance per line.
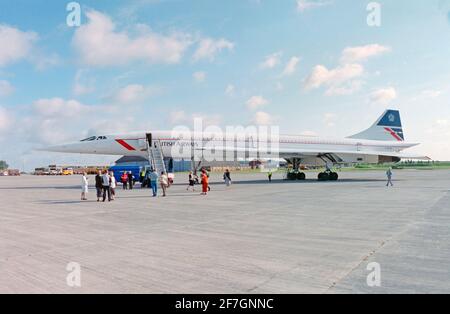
x=396 y=133
x=125 y=144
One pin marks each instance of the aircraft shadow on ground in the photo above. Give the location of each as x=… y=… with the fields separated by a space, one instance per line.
x=48 y=202
x=308 y=181
x=76 y=187
x=249 y=182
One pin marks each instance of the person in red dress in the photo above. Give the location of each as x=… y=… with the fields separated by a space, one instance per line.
x=205 y=183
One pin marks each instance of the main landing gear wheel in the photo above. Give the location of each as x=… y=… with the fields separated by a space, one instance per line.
x=292 y=176
x=328 y=176
x=334 y=176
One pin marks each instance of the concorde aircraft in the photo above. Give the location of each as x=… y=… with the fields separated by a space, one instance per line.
x=383 y=142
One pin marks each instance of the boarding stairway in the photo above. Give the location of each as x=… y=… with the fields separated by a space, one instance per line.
x=155 y=156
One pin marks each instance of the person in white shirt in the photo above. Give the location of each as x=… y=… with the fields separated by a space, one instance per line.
x=164 y=181
x=106 y=186
x=113 y=185
x=84 y=187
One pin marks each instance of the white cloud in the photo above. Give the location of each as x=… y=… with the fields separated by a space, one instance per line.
x=44 y=61
x=53 y=120
x=58 y=120
x=100 y=44
x=207 y=119
x=436 y=144
x=383 y=96
x=230 y=89
x=291 y=66
x=133 y=93
x=362 y=53
x=429 y=93
x=440 y=128
x=256 y=101
x=348 y=88
x=178 y=117
x=329 y=119
x=82 y=85
x=58 y=107
x=443 y=122
x=279 y=87
x=262 y=118
x=332 y=78
x=308 y=133
x=271 y=61
x=342 y=80
x=303 y=5
x=5 y=120
x=199 y=76
x=6 y=88
x=208 y=48
x=104 y=126
x=15 y=44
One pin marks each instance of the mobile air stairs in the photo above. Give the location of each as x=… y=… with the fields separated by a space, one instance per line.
x=155 y=155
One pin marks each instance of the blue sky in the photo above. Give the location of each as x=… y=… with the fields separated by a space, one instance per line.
x=311 y=67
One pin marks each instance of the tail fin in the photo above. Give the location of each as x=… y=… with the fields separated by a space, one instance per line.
x=387 y=128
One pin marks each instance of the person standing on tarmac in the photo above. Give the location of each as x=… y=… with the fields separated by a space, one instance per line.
x=389 y=177
x=164 y=181
x=84 y=187
x=207 y=176
x=142 y=176
x=227 y=177
x=154 y=182
x=269 y=175
x=106 y=186
x=130 y=180
x=113 y=185
x=205 y=182
x=191 y=182
x=99 y=185
x=124 y=179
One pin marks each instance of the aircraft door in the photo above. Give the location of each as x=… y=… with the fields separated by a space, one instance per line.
x=149 y=138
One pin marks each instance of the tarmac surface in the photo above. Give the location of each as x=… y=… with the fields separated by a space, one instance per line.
x=254 y=237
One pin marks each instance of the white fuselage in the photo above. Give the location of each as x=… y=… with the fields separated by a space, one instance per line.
x=181 y=145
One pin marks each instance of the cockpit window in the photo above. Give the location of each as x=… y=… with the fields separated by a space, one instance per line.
x=92 y=138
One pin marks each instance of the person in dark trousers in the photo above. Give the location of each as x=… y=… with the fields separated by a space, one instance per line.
x=227 y=177
x=154 y=178
x=124 y=180
x=142 y=177
x=99 y=185
x=106 y=181
x=269 y=175
x=389 y=177
x=191 y=182
x=130 y=180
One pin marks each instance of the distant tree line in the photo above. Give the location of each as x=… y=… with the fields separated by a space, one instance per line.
x=3 y=165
